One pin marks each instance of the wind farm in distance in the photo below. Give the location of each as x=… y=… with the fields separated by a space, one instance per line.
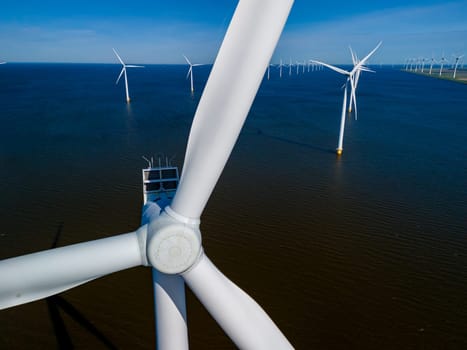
x=441 y=68
x=261 y=174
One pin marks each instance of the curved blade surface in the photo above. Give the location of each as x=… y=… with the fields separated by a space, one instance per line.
x=229 y=93
x=39 y=275
x=241 y=318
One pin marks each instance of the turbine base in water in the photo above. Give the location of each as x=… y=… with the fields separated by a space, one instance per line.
x=339 y=151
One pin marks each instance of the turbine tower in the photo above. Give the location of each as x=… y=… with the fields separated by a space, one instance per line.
x=358 y=66
x=171 y=241
x=431 y=64
x=280 y=68
x=443 y=59
x=456 y=64
x=190 y=72
x=123 y=71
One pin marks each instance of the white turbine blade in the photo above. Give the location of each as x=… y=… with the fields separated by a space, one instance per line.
x=241 y=318
x=198 y=64
x=362 y=62
x=118 y=79
x=352 y=91
x=133 y=66
x=354 y=57
x=336 y=69
x=121 y=61
x=189 y=71
x=229 y=93
x=39 y=275
x=187 y=60
x=365 y=69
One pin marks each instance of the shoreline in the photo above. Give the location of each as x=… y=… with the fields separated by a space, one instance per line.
x=461 y=75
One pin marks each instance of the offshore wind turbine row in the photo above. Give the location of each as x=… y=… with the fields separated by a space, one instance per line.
x=304 y=66
x=418 y=64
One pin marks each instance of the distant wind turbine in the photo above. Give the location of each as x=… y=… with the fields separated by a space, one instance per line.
x=455 y=66
x=358 y=66
x=431 y=64
x=125 y=66
x=355 y=61
x=280 y=68
x=423 y=64
x=190 y=71
x=269 y=69
x=290 y=67
x=443 y=59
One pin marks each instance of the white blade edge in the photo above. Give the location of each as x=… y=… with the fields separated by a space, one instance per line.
x=187 y=60
x=241 y=318
x=121 y=61
x=118 y=79
x=354 y=56
x=365 y=69
x=362 y=62
x=229 y=93
x=334 y=68
x=188 y=73
x=198 y=64
x=133 y=66
x=39 y=275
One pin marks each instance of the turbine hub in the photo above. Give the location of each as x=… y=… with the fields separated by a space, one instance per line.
x=173 y=246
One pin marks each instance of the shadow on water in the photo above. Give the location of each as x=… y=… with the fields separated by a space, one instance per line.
x=56 y=303
x=297 y=143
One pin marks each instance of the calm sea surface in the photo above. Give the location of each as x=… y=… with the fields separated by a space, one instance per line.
x=366 y=251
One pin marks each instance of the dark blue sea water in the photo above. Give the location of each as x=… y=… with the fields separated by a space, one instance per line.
x=366 y=251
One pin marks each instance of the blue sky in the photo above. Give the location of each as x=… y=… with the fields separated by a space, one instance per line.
x=161 y=31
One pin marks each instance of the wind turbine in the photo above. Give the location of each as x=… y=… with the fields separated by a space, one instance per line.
x=355 y=61
x=358 y=66
x=443 y=59
x=431 y=64
x=124 y=67
x=290 y=67
x=280 y=68
x=269 y=69
x=423 y=64
x=190 y=71
x=171 y=240
x=455 y=66
x=354 y=74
